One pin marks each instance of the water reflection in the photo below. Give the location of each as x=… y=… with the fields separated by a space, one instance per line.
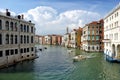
x=55 y=63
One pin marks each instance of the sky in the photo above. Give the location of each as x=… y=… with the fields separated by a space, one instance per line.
x=53 y=16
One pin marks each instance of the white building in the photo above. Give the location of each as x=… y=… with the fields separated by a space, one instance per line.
x=66 y=40
x=112 y=34
x=16 y=39
x=73 y=42
x=38 y=39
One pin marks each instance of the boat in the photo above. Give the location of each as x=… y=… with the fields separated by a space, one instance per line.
x=45 y=47
x=78 y=58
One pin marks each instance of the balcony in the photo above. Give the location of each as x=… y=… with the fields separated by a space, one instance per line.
x=106 y=40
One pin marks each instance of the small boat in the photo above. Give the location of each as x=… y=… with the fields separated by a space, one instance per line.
x=69 y=51
x=40 y=49
x=78 y=58
x=45 y=47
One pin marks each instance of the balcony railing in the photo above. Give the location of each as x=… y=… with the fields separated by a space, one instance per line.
x=106 y=40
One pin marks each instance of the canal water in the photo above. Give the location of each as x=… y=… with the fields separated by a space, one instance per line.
x=55 y=63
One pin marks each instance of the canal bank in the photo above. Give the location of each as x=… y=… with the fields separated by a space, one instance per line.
x=55 y=63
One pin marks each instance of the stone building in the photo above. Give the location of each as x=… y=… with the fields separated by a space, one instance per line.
x=93 y=36
x=16 y=39
x=112 y=34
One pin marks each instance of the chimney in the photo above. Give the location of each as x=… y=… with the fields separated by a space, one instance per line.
x=7 y=12
x=30 y=21
x=22 y=16
x=19 y=17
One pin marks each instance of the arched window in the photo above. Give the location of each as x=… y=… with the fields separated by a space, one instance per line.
x=16 y=26
x=21 y=28
x=7 y=25
x=21 y=39
x=27 y=28
x=88 y=47
x=24 y=28
x=0 y=24
x=93 y=47
x=7 y=39
x=97 y=48
x=11 y=26
x=16 y=39
x=0 y=39
x=27 y=39
x=31 y=39
x=11 y=39
x=24 y=39
x=32 y=29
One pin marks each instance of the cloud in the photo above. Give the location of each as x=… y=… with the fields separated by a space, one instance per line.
x=48 y=21
x=3 y=11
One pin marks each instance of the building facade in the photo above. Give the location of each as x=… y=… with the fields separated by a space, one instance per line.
x=54 y=39
x=112 y=34
x=16 y=39
x=48 y=39
x=73 y=38
x=66 y=40
x=58 y=39
x=92 y=36
x=79 y=35
x=38 y=39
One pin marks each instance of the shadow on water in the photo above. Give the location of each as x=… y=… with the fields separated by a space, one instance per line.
x=25 y=66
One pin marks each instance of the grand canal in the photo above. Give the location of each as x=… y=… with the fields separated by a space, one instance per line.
x=55 y=63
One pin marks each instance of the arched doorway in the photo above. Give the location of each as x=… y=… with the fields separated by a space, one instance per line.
x=118 y=51
x=113 y=51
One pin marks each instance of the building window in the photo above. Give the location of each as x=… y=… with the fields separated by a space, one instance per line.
x=1 y=53
x=7 y=39
x=21 y=28
x=21 y=50
x=27 y=28
x=27 y=49
x=0 y=24
x=24 y=28
x=21 y=39
x=116 y=36
x=88 y=37
x=27 y=55
x=11 y=39
x=92 y=37
x=7 y=52
x=93 y=47
x=11 y=26
x=31 y=39
x=97 y=48
x=32 y=30
x=0 y=39
x=24 y=50
x=97 y=38
x=24 y=39
x=16 y=26
x=32 y=49
x=12 y=52
x=15 y=39
x=88 y=47
x=27 y=39
x=16 y=51
x=7 y=25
